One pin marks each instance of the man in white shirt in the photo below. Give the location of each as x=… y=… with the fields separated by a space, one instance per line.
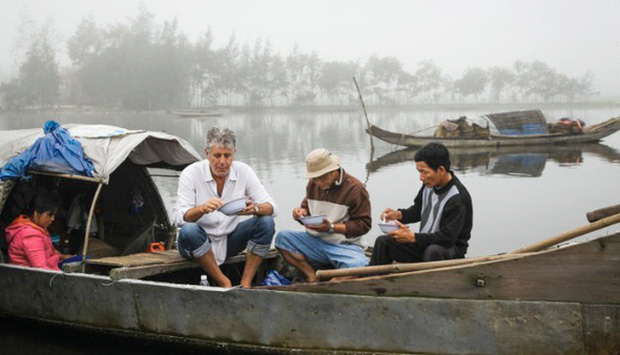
x=209 y=236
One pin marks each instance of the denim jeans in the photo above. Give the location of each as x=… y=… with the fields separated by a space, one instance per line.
x=255 y=234
x=320 y=253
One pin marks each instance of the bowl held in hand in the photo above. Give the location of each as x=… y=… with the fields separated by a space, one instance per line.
x=388 y=227
x=233 y=207
x=313 y=220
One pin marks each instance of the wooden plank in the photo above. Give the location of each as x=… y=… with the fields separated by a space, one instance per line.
x=164 y=257
x=136 y=271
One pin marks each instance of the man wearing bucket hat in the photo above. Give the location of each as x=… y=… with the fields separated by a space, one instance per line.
x=337 y=240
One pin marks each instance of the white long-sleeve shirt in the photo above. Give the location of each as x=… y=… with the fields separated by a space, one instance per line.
x=197 y=186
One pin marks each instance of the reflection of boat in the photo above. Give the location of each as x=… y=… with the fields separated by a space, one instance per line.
x=592 y=133
x=197 y=113
x=512 y=160
x=565 y=299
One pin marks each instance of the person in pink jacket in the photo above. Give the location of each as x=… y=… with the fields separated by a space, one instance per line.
x=29 y=241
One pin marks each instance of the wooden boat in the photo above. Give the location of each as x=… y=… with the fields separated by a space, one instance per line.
x=589 y=134
x=564 y=300
x=197 y=113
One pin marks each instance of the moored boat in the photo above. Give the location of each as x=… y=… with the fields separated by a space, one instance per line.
x=502 y=137
x=198 y=113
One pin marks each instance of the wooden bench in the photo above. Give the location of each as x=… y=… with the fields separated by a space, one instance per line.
x=136 y=266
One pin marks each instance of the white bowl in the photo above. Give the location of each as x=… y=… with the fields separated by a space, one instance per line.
x=233 y=206
x=313 y=220
x=388 y=227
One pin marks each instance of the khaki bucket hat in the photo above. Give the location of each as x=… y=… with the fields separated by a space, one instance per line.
x=320 y=161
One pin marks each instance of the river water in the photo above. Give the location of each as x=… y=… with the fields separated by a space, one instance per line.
x=520 y=196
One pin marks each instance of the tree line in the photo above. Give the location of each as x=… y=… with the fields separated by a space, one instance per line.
x=144 y=65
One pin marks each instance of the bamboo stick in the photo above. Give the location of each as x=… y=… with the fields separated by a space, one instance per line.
x=359 y=93
x=601 y=223
x=88 y=223
x=407 y=267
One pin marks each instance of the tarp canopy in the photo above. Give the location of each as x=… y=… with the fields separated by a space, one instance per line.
x=108 y=146
x=518 y=123
x=55 y=152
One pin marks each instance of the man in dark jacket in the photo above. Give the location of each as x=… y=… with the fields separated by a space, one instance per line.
x=443 y=208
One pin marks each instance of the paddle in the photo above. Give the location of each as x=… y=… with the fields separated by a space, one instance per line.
x=407 y=267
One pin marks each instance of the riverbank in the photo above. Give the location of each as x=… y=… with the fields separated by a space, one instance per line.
x=495 y=107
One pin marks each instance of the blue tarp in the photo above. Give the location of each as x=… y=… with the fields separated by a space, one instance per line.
x=56 y=152
x=527 y=129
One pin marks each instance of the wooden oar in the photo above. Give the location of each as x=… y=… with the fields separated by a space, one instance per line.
x=406 y=267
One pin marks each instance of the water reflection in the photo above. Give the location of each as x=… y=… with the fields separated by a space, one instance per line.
x=514 y=161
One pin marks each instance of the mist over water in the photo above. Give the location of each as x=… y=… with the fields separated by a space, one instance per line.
x=520 y=196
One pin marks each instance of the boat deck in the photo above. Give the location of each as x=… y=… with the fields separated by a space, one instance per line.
x=136 y=266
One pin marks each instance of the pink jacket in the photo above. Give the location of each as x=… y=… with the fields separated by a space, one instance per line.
x=31 y=245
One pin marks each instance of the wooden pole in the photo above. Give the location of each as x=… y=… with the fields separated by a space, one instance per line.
x=88 y=223
x=595 y=215
x=359 y=93
x=601 y=223
x=406 y=267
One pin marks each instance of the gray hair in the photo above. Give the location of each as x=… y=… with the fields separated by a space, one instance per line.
x=222 y=138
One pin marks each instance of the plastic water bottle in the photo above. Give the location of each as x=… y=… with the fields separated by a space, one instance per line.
x=203 y=280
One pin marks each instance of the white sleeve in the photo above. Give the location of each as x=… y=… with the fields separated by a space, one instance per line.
x=186 y=198
x=257 y=192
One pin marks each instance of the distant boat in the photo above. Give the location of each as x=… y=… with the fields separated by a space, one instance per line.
x=507 y=134
x=198 y=113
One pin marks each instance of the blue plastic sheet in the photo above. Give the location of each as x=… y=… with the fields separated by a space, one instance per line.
x=56 y=152
x=273 y=278
x=72 y=259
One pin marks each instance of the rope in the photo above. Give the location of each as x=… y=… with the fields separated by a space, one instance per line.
x=424 y=129
x=114 y=281
x=51 y=281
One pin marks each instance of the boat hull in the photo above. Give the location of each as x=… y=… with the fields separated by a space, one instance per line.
x=590 y=134
x=308 y=322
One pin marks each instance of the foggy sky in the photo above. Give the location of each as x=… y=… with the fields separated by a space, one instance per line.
x=572 y=36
